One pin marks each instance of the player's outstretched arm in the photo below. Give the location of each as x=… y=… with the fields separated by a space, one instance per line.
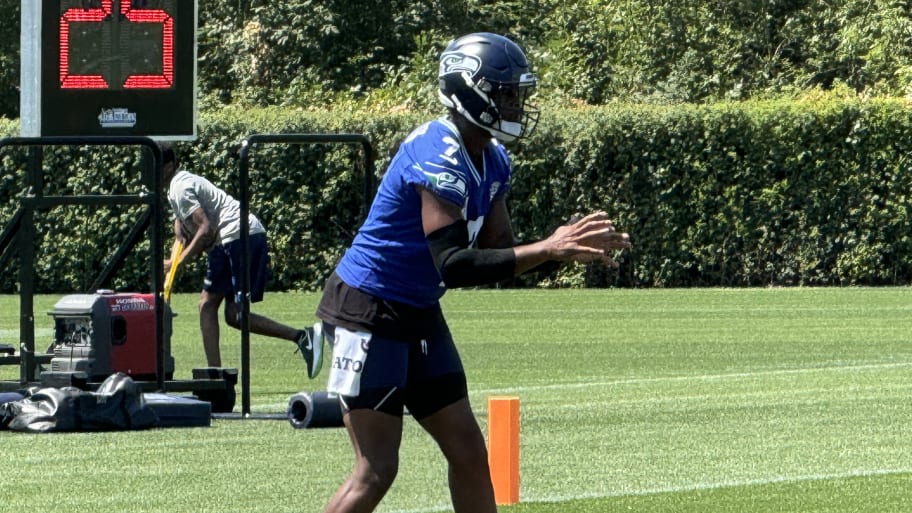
x=588 y=239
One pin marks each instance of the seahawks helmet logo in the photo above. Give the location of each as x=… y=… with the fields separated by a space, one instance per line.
x=458 y=62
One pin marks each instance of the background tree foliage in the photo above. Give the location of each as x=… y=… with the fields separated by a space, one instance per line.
x=689 y=120
x=325 y=54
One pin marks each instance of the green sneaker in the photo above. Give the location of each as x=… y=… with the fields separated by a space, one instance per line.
x=310 y=344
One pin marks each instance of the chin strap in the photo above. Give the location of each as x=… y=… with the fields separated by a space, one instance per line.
x=453 y=102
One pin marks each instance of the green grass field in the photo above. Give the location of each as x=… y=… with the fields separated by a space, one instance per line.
x=660 y=401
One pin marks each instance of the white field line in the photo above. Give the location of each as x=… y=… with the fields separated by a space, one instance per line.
x=281 y=407
x=699 y=377
x=695 y=487
x=714 y=485
x=699 y=486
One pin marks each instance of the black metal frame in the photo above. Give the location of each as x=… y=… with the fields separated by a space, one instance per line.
x=23 y=225
x=244 y=199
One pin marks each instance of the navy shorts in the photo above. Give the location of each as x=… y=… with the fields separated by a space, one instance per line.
x=412 y=361
x=223 y=270
x=423 y=377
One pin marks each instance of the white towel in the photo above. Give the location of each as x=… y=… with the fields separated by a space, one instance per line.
x=349 y=354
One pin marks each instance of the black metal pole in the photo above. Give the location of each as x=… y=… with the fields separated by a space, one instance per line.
x=35 y=185
x=244 y=200
x=243 y=296
x=154 y=186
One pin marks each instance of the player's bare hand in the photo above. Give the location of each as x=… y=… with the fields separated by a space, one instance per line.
x=586 y=239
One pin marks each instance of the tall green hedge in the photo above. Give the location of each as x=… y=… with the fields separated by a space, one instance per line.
x=814 y=191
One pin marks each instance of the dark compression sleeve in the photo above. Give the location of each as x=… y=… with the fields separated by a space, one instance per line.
x=461 y=266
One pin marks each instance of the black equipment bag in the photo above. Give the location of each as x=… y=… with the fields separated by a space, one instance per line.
x=118 y=404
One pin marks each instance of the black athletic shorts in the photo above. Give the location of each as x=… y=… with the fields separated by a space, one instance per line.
x=412 y=361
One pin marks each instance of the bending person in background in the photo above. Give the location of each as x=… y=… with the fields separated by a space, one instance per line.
x=439 y=220
x=207 y=220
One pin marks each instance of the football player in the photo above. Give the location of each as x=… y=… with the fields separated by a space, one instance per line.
x=439 y=220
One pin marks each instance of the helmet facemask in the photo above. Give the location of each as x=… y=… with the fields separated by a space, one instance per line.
x=511 y=116
x=503 y=109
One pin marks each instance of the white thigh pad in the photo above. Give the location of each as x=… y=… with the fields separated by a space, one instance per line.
x=348 y=357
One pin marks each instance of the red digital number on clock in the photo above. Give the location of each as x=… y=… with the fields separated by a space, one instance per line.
x=102 y=14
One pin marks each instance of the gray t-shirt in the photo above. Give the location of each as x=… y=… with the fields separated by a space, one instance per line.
x=188 y=192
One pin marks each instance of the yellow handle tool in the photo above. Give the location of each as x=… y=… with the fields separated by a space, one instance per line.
x=176 y=250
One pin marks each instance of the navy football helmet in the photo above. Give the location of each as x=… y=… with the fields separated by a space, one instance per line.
x=486 y=78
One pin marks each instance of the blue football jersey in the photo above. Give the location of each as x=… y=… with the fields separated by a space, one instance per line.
x=389 y=257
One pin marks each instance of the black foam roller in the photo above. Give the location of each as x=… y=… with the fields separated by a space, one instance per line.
x=314 y=410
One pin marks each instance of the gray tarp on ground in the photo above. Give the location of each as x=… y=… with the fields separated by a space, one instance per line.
x=117 y=404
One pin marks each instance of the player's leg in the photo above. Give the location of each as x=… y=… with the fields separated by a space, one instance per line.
x=456 y=432
x=375 y=438
x=372 y=414
x=209 y=326
x=307 y=341
x=259 y=324
x=216 y=286
x=258 y=264
x=437 y=396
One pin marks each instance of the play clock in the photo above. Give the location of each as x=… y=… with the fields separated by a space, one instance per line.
x=109 y=67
